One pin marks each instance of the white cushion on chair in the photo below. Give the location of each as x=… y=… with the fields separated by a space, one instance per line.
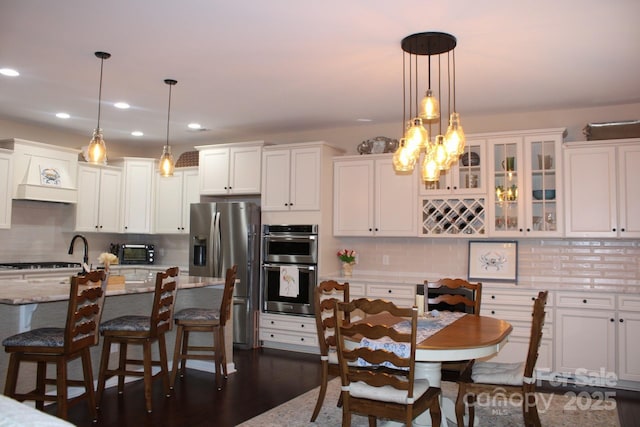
x=387 y=393
x=498 y=373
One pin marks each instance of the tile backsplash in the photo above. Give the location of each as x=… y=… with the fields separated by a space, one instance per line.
x=42 y=232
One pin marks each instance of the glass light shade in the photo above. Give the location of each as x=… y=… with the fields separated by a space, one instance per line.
x=404 y=159
x=429 y=106
x=166 y=162
x=441 y=155
x=416 y=135
x=455 y=136
x=97 y=151
x=430 y=168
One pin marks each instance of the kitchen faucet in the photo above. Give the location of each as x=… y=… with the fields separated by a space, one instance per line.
x=85 y=258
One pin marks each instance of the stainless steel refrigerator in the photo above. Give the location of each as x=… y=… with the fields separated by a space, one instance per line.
x=224 y=234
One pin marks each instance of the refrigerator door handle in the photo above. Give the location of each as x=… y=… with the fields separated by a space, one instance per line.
x=215 y=245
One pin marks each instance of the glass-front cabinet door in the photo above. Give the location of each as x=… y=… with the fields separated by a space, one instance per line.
x=525 y=195
x=506 y=193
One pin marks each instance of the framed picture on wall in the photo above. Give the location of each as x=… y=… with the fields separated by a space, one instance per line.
x=495 y=261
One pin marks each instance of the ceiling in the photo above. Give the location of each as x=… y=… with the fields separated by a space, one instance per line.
x=247 y=68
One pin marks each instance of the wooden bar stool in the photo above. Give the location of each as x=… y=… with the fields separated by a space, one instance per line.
x=211 y=320
x=141 y=330
x=59 y=346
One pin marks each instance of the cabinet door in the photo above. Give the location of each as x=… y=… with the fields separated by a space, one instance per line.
x=396 y=201
x=190 y=194
x=629 y=346
x=138 y=196
x=275 y=180
x=353 y=194
x=244 y=170
x=590 y=179
x=6 y=175
x=577 y=349
x=88 y=198
x=110 y=200
x=305 y=179
x=506 y=182
x=213 y=168
x=629 y=181
x=466 y=175
x=169 y=208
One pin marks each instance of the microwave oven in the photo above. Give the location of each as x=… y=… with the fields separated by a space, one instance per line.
x=135 y=253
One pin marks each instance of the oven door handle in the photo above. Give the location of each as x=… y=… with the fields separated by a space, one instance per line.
x=272 y=238
x=300 y=267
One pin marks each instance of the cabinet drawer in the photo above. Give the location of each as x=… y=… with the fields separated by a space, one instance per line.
x=392 y=292
x=289 y=323
x=288 y=337
x=513 y=314
x=524 y=298
x=581 y=300
x=523 y=330
x=629 y=302
x=357 y=290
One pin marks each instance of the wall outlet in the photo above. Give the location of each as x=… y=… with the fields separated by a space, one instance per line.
x=385 y=259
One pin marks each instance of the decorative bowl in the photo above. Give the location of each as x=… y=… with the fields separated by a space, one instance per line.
x=470 y=159
x=544 y=194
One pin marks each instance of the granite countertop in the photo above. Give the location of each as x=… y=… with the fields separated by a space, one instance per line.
x=30 y=291
x=374 y=278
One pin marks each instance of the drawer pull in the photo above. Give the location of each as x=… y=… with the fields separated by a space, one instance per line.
x=493 y=297
x=584 y=301
x=493 y=312
x=272 y=322
x=271 y=335
x=389 y=291
x=302 y=326
x=302 y=339
x=612 y=320
x=621 y=320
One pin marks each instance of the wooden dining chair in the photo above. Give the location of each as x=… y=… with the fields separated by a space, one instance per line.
x=50 y=345
x=325 y=296
x=141 y=330
x=378 y=379
x=209 y=320
x=506 y=378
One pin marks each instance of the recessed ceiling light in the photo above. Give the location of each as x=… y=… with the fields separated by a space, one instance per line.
x=9 y=72
x=121 y=105
x=194 y=126
x=364 y=120
x=137 y=133
x=62 y=115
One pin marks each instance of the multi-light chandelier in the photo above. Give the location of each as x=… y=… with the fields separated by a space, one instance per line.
x=444 y=150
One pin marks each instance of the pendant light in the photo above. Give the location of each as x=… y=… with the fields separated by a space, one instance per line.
x=166 y=160
x=97 y=151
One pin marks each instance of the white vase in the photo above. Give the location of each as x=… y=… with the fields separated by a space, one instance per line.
x=347 y=269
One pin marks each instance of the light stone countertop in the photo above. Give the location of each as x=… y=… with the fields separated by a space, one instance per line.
x=415 y=278
x=30 y=291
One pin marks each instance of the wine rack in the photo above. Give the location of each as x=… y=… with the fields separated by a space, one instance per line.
x=453 y=217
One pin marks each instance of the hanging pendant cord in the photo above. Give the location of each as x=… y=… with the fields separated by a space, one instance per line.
x=100 y=91
x=454 y=79
x=169 y=113
x=404 y=92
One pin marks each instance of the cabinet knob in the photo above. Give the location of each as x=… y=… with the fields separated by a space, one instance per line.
x=613 y=229
x=455 y=188
x=286 y=204
x=100 y=226
x=612 y=320
x=302 y=326
x=389 y=291
x=448 y=187
x=96 y=226
x=371 y=229
x=302 y=339
x=272 y=322
x=290 y=204
x=521 y=230
x=621 y=320
x=376 y=229
x=584 y=301
x=622 y=229
x=271 y=335
x=528 y=230
x=125 y=227
x=493 y=312
x=493 y=297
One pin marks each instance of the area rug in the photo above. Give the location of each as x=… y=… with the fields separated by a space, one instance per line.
x=554 y=409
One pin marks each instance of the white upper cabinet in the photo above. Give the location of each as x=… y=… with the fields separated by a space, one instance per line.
x=174 y=196
x=525 y=184
x=6 y=176
x=99 y=196
x=291 y=178
x=228 y=169
x=602 y=179
x=137 y=204
x=371 y=199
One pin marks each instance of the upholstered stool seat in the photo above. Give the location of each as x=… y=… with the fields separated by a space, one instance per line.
x=44 y=337
x=127 y=323
x=197 y=314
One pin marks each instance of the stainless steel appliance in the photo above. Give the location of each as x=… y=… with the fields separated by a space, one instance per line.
x=224 y=234
x=285 y=246
x=127 y=253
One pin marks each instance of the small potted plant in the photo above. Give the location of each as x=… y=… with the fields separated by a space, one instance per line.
x=348 y=258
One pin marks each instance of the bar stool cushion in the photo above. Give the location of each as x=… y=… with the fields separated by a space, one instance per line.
x=130 y=323
x=41 y=337
x=197 y=314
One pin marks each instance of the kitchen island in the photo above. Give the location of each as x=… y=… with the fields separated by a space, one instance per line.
x=33 y=303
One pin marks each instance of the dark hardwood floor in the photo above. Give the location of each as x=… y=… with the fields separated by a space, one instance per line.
x=264 y=379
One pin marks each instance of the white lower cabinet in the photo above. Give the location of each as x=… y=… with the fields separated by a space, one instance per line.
x=515 y=306
x=289 y=332
x=628 y=333
x=402 y=295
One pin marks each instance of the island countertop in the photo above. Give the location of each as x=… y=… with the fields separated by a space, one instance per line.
x=33 y=291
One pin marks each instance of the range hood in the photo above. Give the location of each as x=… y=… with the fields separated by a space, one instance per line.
x=43 y=172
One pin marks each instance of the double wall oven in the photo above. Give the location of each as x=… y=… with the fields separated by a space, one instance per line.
x=287 y=248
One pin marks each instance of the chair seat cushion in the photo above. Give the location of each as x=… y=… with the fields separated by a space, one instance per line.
x=127 y=323
x=387 y=393
x=41 y=337
x=197 y=314
x=498 y=373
